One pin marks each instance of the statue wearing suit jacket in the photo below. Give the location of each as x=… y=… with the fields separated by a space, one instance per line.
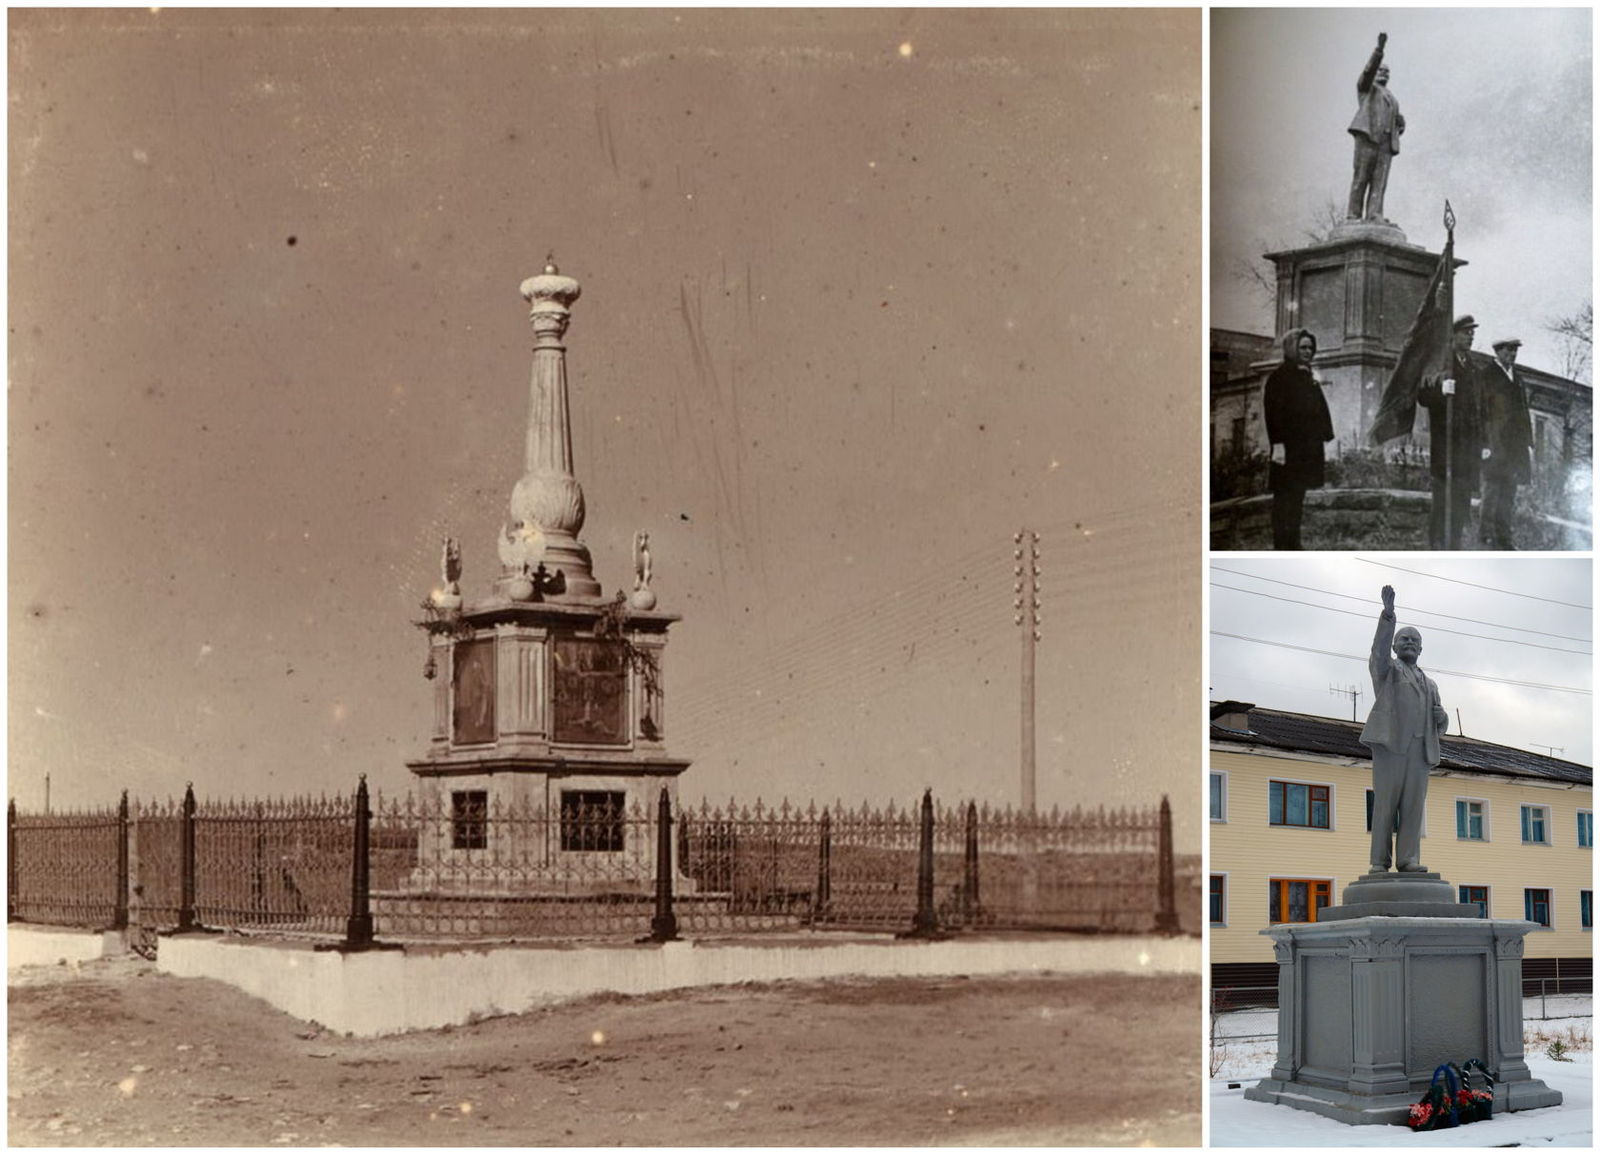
x=1403 y=733
x=1377 y=127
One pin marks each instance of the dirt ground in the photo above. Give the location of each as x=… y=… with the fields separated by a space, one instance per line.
x=116 y=1054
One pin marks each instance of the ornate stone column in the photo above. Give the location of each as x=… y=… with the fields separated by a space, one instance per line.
x=547 y=503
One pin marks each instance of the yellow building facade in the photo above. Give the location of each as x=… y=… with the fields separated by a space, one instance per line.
x=1290 y=806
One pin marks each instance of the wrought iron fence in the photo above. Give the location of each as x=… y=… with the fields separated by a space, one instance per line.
x=465 y=866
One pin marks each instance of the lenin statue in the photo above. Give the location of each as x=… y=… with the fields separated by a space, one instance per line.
x=1403 y=733
x=1377 y=127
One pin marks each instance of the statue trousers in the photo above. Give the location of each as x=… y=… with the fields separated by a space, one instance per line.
x=1399 y=786
x=1370 y=179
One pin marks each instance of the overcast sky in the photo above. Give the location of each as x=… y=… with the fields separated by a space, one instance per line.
x=863 y=293
x=1499 y=112
x=1508 y=641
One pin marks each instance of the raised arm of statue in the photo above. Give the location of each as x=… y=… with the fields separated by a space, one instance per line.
x=1371 y=70
x=1382 y=642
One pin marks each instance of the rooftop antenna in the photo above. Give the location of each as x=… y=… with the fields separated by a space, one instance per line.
x=1352 y=692
x=1551 y=750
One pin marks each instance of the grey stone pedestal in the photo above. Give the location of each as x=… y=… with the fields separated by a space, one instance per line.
x=1368 y=1006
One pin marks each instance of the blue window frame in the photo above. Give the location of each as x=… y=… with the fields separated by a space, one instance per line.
x=1536 y=906
x=1219 y=797
x=1586 y=829
x=1586 y=908
x=1479 y=895
x=1536 y=825
x=1469 y=819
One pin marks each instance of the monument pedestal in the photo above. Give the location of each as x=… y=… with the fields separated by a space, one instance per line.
x=1358 y=292
x=1369 y=1005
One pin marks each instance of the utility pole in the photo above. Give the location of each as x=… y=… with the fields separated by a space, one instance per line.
x=1351 y=692
x=1026 y=604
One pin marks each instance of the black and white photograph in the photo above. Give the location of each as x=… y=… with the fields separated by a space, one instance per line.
x=1401 y=279
x=605 y=577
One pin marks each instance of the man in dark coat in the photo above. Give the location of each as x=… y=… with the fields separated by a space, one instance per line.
x=1458 y=391
x=1377 y=127
x=1298 y=425
x=1509 y=432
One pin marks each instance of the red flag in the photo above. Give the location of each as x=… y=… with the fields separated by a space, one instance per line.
x=1426 y=345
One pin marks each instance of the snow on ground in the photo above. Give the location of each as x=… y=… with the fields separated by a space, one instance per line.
x=1239 y=1062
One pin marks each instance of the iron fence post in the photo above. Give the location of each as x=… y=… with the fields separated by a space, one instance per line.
x=925 y=924
x=664 y=926
x=969 y=889
x=358 y=930
x=186 y=919
x=12 y=904
x=823 y=895
x=1167 y=917
x=119 y=918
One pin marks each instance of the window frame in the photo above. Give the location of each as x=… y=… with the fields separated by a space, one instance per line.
x=1526 y=826
x=1281 y=902
x=1585 y=829
x=1549 y=893
x=1469 y=800
x=1488 y=896
x=604 y=832
x=469 y=820
x=1586 y=909
x=1214 y=891
x=1327 y=787
x=1221 y=777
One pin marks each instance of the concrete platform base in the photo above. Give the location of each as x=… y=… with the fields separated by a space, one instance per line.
x=1369 y=1006
x=1398 y=893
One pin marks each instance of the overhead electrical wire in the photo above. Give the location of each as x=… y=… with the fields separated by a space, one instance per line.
x=1474 y=585
x=1435 y=669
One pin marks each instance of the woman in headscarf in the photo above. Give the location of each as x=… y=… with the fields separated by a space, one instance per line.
x=1298 y=424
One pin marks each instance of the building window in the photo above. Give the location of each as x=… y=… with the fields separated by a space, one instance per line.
x=1469 y=819
x=1536 y=906
x=1219 y=797
x=1296 y=899
x=1478 y=895
x=1297 y=804
x=469 y=819
x=1586 y=829
x=1369 y=814
x=1536 y=825
x=1586 y=909
x=591 y=820
x=1219 y=900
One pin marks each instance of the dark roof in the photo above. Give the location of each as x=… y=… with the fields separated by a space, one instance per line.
x=1310 y=734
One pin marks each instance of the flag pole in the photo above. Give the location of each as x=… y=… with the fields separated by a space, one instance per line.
x=1447 y=286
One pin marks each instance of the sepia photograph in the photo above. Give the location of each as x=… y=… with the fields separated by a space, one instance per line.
x=633 y=577
x=1401 y=279
x=1401 y=863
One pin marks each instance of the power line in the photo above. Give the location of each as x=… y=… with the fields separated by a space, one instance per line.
x=1435 y=669
x=1440 y=629
x=1474 y=585
x=1367 y=599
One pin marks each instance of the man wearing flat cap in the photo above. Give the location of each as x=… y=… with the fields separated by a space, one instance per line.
x=1508 y=431
x=1456 y=443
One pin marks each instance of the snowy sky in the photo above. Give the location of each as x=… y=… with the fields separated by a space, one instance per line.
x=1508 y=641
x=863 y=293
x=1499 y=113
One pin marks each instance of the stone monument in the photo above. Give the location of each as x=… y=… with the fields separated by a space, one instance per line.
x=1399 y=977
x=551 y=698
x=1358 y=289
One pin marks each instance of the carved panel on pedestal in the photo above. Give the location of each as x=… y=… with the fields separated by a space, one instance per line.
x=473 y=689
x=1446 y=997
x=590 y=691
x=1322 y=305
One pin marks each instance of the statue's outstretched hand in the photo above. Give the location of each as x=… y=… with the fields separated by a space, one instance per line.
x=1383 y=39
x=1388 y=599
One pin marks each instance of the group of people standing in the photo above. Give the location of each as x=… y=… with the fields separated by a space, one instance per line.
x=1479 y=430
